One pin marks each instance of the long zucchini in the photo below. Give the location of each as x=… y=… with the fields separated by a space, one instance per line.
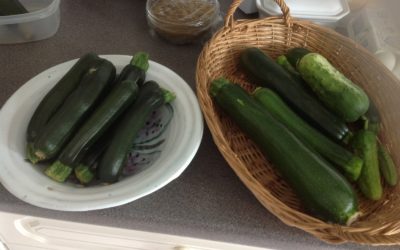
x=365 y=145
x=65 y=122
x=322 y=190
x=348 y=163
x=267 y=73
x=56 y=97
x=122 y=95
x=334 y=89
x=150 y=98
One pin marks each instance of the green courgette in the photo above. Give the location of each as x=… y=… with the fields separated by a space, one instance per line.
x=79 y=104
x=103 y=116
x=322 y=190
x=364 y=143
x=334 y=89
x=52 y=101
x=386 y=165
x=267 y=73
x=122 y=95
x=150 y=98
x=348 y=163
x=11 y=7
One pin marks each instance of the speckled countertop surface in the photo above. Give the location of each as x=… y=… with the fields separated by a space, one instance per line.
x=207 y=200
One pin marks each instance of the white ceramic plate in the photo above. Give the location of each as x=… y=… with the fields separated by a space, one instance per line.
x=28 y=183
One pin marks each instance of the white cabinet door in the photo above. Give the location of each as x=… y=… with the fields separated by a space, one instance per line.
x=20 y=232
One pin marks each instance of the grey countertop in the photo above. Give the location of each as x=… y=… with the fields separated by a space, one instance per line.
x=207 y=201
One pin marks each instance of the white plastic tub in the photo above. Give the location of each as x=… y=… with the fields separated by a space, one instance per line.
x=41 y=22
x=322 y=12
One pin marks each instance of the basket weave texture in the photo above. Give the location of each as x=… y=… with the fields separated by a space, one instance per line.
x=380 y=220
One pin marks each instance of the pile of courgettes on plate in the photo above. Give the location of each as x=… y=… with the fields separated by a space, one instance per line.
x=318 y=128
x=91 y=118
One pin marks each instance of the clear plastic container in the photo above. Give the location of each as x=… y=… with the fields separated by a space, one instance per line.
x=326 y=13
x=41 y=22
x=182 y=21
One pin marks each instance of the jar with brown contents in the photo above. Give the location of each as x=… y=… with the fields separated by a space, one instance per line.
x=182 y=21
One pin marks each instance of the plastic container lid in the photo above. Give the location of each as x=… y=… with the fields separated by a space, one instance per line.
x=310 y=9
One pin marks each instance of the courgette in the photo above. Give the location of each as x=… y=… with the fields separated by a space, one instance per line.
x=386 y=165
x=56 y=97
x=364 y=143
x=150 y=98
x=348 y=163
x=103 y=116
x=79 y=104
x=335 y=90
x=11 y=7
x=323 y=191
x=122 y=95
x=267 y=73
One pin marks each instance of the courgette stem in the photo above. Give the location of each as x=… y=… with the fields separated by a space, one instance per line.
x=84 y=174
x=169 y=96
x=387 y=166
x=140 y=60
x=58 y=171
x=365 y=145
x=30 y=154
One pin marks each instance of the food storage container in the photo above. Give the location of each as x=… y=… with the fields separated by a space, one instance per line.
x=41 y=22
x=326 y=13
x=182 y=21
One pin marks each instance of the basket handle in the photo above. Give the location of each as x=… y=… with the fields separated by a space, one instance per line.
x=229 y=21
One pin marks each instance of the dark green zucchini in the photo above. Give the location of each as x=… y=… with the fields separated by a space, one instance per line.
x=365 y=145
x=56 y=97
x=386 y=165
x=150 y=98
x=11 y=7
x=348 y=163
x=322 y=190
x=335 y=90
x=65 y=122
x=283 y=61
x=103 y=116
x=122 y=95
x=266 y=72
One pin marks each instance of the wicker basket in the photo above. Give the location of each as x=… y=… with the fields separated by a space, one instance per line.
x=380 y=222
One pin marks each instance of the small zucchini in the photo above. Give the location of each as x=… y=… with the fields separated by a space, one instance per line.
x=335 y=90
x=65 y=122
x=348 y=163
x=53 y=100
x=387 y=166
x=11 y=7
x=322 y=190
x=364 y=143
x=267 y=73
x=150 y=98
x=136 y=69
x=122 y=95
